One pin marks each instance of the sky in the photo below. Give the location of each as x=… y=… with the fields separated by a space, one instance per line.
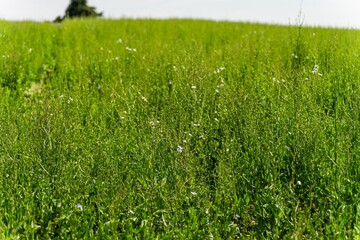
x=334 y=13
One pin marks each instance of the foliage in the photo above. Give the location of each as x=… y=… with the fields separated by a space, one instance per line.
x=154 y=129
x=78 y=8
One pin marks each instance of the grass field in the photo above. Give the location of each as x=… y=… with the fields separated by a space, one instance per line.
x=178 y=129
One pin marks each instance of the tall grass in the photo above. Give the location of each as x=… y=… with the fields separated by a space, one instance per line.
x=145 y=129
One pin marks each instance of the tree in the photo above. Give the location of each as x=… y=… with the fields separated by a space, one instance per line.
x=78 y=8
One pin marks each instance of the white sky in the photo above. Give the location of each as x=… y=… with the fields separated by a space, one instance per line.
x=337 y=13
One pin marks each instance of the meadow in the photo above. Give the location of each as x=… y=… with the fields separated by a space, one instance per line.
x=178 y=129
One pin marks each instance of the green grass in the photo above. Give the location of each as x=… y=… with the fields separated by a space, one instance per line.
x=209 y=130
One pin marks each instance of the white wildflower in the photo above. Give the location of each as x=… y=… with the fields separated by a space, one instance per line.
x=315 y=69
x=131 y=211
x=79 y=206
x=294 y=55
x=144 y=99
x=179 y=149
x=298 y=183
x=217 y=91
x=196 y=125
x=193 y=193
x=193 y=87
x=130 y=49
x=219 y=70
x=119 y=40
x=320 y=74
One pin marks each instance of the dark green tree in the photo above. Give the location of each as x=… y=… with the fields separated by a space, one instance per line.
x=79 y=8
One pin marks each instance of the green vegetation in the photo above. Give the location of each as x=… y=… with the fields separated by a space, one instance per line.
x=178 y=129
x=78 y=9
